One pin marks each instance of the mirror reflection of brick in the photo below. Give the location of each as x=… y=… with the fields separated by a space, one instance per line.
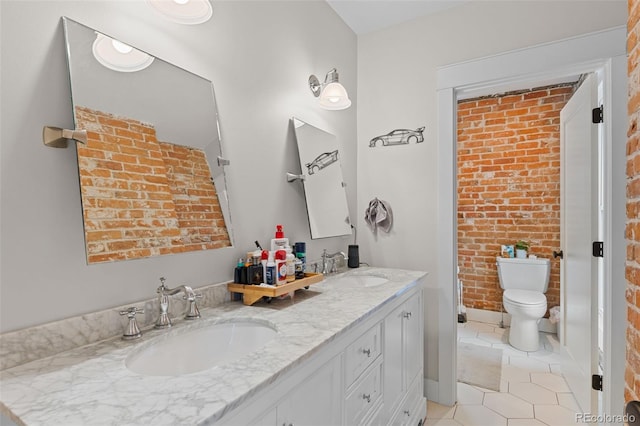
x=142 y=197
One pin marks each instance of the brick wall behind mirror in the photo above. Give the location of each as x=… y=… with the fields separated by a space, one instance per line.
x=149 y=178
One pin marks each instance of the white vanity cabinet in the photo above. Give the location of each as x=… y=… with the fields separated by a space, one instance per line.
x=368 y=375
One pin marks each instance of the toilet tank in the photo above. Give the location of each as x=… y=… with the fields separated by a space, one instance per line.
x=524 y=274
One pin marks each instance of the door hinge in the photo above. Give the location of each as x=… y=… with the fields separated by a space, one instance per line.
x=597 y=114
x=596 y=382
x=598 y=249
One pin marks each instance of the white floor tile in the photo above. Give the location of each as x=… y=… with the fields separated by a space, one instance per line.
x=556 y=369
x=474 y=341
x=439 y=411
x=529 y=364
x=550 y=381
x=467 y=332
x=477 y=415
x=481 y=326
x=508 y=406
x=441 y=422
x=554 y=415
x=532 y=389
x=524 y=422
x=533 y=393
x=510 y=350
x=497 y=338
x=512 y=373
x=469 y=395
x=547 y=356
x=567 y=400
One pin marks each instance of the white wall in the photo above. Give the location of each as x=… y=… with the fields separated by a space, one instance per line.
x=397 y=88
x=259 y=56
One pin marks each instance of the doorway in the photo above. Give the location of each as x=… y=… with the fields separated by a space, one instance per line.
x=579 y=55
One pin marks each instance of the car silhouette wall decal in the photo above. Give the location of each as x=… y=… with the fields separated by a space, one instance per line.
x=399 y=137
x=321 y=161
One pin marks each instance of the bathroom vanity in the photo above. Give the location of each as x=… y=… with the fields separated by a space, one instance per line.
x=347 y=351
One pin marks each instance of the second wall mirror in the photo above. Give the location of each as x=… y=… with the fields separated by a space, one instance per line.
x=324 y=190
x=150 y=176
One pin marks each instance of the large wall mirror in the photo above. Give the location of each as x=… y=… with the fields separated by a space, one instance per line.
x=324 y=190
x=150 y=175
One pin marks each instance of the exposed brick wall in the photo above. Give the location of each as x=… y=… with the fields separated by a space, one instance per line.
x=632 y=272
x=141 y=197
x=508 y=186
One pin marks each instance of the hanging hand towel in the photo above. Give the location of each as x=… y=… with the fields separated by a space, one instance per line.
x=379 y=215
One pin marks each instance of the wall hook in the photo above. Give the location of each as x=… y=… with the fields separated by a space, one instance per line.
x=56 y=137
x=291 y=177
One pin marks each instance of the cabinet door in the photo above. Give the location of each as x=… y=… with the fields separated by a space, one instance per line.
x=413 y=325
x=393 y=363
x=317 y=400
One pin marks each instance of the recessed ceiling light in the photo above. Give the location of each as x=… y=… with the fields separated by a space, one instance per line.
x=188 y=12
x=119 y=56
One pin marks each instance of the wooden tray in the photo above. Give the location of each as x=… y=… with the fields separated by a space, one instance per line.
x=252 y=293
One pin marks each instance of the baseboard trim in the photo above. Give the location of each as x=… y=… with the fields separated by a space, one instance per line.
x=493 y=317
x=432 y=390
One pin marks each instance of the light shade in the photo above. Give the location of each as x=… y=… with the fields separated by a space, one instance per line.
x=190 y=12
x=118 y=56
x=334 y=96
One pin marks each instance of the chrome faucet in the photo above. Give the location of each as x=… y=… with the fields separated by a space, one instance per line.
x=163 y=298
x=326 y=256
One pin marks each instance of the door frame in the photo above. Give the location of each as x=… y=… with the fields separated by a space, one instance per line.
x=603 y=51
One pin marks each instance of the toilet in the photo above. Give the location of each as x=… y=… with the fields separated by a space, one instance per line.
x=524 y=282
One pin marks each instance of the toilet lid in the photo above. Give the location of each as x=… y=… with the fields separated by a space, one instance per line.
x=525 y=297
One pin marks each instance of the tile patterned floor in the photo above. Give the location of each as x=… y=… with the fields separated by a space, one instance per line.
x=532 y=390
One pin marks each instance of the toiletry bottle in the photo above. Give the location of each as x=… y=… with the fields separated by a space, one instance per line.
x=353 y=256
x=237 y=273
x=300 y=251
x=240 y=273
x=299 y=269
x=264 y=258
x=270 y=276
x=281 y=267
x=254 y=272
x=279 y=242
x=291 y=266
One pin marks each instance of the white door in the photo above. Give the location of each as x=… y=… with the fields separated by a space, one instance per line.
x=578 y=229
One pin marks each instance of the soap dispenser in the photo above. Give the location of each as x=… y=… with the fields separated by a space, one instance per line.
x=279 y=242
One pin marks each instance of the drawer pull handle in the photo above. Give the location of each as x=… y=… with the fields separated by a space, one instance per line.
x=367 y=397
x=367 y=352
x=407 y=315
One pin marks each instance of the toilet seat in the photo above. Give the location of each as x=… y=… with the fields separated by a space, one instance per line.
x=524 y=297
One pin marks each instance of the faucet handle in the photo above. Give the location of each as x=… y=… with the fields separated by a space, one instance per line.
x=132 y=331
x=193 y=312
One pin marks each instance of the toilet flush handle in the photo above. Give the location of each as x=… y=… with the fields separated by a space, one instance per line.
x=559 y=254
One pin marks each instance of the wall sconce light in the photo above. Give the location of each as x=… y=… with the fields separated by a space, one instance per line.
x=56 y=137
x=332 y=94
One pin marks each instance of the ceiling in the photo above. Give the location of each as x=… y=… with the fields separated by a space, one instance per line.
x=364 y=16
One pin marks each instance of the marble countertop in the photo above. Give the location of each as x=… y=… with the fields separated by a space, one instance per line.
x=91 y=385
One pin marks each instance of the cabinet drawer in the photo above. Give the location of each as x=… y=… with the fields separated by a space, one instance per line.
x=361 y=353
x=365 y=396
x=411 y=407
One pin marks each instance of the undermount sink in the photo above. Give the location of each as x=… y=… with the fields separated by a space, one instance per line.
x=200 y=349
x=361 y=280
